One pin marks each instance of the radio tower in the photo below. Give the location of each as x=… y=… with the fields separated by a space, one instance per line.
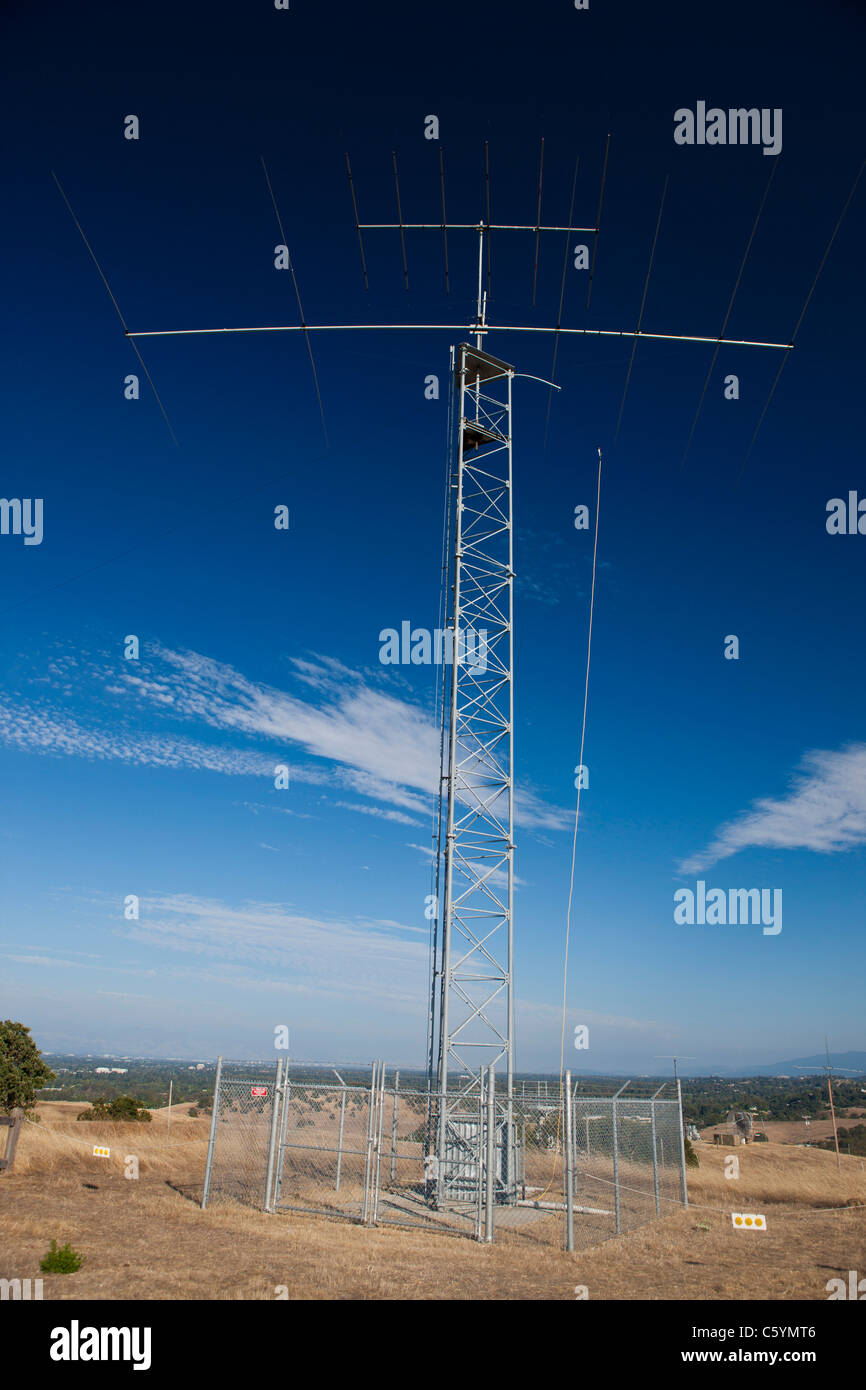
x=471 y=1018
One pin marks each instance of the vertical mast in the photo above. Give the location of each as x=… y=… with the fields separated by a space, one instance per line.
x=475 y=1024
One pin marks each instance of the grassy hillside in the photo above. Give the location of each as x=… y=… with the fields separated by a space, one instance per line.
x=149 y=1239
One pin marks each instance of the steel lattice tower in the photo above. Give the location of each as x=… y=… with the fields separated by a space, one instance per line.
x=474 y=1010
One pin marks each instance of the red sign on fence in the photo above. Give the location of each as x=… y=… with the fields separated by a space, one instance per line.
x=257 y=1092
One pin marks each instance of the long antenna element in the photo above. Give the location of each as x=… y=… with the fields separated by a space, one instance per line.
x=485 y=327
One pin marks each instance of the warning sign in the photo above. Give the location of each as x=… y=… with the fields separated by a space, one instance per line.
x=748 y=1221
x=100 y=1152
x=258 y=1092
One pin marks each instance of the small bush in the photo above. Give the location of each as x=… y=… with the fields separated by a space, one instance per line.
x=692 y=1160
x=61 y=1260
x=121 y=1108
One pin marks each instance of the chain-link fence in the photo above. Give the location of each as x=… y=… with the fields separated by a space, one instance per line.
x=629 y=1161
x=551 y=1167
x=240 y=1137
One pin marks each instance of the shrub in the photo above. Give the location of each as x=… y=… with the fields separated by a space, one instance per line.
x=121 y=1108
x=692 y=1160
x=61 y=1260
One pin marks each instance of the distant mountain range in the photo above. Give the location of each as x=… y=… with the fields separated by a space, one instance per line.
x=847 y=1063
x=844 y=1065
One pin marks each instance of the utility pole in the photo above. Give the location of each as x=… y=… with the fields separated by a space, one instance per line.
x=666 y=1057
x=828 y=1073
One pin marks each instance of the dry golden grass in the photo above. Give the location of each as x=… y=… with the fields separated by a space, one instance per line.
x=777 y=1173
x=60 y=1141
x=149 y=1239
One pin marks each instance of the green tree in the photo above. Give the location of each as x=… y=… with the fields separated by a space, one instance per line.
x=22 y=1070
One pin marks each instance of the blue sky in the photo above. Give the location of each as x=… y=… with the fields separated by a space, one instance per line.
x=305 y=906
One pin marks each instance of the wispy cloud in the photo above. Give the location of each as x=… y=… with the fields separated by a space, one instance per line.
x=28 y=728
x=50 y=961
x=551 y=1014
x=381 y=746
x=824 y=811
x=380 y=811
x=548 y=566
x=339 y=958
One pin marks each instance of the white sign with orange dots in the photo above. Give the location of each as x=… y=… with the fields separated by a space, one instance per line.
x=748 y=1221
x=100 y=1152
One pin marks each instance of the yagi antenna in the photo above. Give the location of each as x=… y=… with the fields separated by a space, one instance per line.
x=481 y=325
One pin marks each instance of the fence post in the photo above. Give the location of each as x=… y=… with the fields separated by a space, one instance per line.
x=281 y=1141
x=475 y=1163
x=615 y=1168
x=682 y=1142
x=569 y=1166
x=13 y=1123
x=655 y=1157
x=342 y=1123
x=491 y=1154
x=394 y=1128
x=370 y=1141
x=272 y=1137
x=213 y=1122
x=367 y=1144
x=380 y=1127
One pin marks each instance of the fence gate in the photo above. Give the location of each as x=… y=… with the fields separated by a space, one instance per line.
x=326 y=1149
x=242 y=1123
x=409 y=1190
